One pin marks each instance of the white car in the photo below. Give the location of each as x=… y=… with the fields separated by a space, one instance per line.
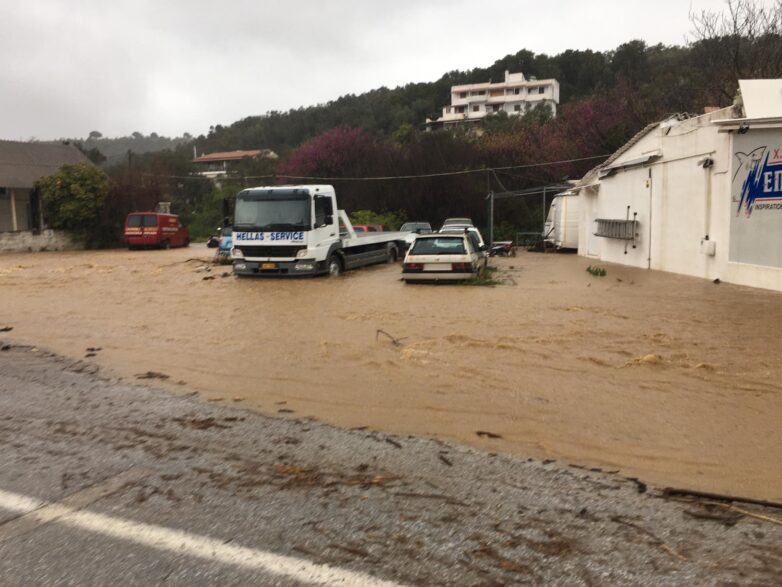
x=460 y=229
x=457 y=221
x=444 y=257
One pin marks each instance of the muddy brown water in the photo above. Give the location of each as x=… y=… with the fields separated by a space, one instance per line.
x=672 y=379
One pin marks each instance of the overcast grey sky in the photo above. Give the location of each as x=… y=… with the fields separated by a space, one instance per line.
x=118 y=66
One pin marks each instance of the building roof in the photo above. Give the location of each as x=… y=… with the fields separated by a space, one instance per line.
x=22 y=164
x=232 y=155
x=503 y=84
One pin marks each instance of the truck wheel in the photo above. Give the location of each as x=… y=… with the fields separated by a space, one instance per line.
x=391 y=254
x=334 y=266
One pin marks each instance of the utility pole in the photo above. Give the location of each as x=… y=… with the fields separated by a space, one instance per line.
x=490 y=197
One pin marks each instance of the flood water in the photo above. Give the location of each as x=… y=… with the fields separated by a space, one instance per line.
x=672 y=379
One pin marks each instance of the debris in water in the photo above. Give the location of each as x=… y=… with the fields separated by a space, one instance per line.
x=485 y=434
x=151 y=375
x=6 y=329
x=395 y=341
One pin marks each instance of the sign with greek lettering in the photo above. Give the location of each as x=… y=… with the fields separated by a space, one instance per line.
x=756 y=198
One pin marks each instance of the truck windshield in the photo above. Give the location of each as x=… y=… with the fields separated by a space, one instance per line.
x=272 y=211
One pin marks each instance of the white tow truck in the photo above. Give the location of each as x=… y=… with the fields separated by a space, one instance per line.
x=298 y=230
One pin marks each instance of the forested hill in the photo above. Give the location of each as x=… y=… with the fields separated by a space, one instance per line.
x=385 y=110
x=654 y=79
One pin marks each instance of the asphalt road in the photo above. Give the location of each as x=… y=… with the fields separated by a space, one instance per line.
x=104 y=481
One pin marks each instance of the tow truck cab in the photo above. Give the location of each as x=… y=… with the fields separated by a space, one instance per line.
x=295 y=230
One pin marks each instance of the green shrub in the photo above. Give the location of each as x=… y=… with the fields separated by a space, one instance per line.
x=72 y=199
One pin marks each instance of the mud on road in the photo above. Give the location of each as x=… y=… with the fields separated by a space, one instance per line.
x=408 y=510
x=671 y=379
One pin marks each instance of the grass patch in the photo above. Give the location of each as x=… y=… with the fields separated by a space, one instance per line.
x=597 y=271
x=488 y=278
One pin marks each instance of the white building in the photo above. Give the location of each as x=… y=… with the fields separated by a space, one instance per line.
x=698 y=195
x=516 y=95
x=221 y=165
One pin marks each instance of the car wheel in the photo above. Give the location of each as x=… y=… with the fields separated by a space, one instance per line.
x=187 y=242
x=165 y=245
x=392 y=254
x=334 y=266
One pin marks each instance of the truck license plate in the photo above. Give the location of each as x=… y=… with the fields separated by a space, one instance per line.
x=268 y=265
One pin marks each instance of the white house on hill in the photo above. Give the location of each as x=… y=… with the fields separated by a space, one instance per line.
x=514 y=96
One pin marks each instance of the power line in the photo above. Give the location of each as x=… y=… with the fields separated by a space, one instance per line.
x=443 y=174
x=392 y=177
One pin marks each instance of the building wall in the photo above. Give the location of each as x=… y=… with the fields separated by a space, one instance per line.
x=688 y=215
x=26 y=241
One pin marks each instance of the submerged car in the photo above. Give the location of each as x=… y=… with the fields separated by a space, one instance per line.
x=444 y=257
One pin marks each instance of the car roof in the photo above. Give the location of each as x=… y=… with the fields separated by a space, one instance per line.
x=457 y=228
x=441 y=235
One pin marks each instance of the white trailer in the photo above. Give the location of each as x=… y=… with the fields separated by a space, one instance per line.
x=299 y=230
x=561 y=227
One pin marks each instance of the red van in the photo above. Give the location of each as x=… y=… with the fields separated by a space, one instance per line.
x=152 y=229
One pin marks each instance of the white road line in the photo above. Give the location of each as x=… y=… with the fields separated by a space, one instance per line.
x=180 y=542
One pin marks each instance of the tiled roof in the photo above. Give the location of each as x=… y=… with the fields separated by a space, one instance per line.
x=22 y=164
x=229 y=156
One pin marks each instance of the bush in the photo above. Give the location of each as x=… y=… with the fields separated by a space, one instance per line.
x=72 y=199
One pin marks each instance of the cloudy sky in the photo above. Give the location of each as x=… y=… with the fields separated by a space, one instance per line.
x=68 y=67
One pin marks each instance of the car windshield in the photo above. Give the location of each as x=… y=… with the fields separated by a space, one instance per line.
x=438 y=246
x=450 y=221
x=272 y=212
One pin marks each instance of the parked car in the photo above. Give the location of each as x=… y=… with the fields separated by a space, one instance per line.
x=444 y=257
x=463 y=229
x=414 y=228
x=369 y=228
x=154 y=229
x=457 y=221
